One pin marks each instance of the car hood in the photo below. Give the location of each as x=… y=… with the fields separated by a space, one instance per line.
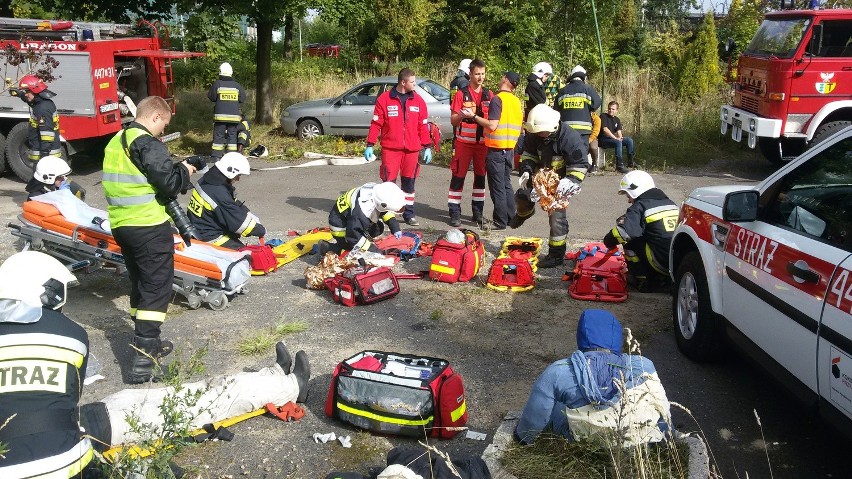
x=715 y=195
x=309 y=104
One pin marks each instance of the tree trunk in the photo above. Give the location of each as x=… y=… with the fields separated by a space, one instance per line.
x=288 y=36
x=263 y=111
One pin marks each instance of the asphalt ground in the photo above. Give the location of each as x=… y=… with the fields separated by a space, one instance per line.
x=499 y=345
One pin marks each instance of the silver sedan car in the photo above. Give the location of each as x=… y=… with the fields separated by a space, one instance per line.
x=350 y=113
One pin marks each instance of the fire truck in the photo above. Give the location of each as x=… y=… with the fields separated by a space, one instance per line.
x=104 y=70
x=793 y=86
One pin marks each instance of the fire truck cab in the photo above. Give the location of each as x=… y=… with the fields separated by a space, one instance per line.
x=103 y=70
x=793 y=86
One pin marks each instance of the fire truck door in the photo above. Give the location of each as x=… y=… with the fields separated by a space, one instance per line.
x=827 y=76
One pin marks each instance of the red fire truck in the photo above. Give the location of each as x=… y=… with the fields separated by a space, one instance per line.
x=793 y=86
x=104 y=70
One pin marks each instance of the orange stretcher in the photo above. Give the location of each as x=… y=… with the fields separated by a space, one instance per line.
x=83 y=248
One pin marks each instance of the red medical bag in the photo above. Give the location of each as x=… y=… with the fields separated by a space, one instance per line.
x=452 y=262
x=599 y=274
x=360 y=287
x=263 y=260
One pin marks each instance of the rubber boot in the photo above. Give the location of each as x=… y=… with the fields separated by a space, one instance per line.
x=283 y=358
x=302 y=371
x=555 y=257
x=145 y=366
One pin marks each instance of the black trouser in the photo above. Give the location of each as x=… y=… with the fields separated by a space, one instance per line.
x=639 y=257
x=499 y=165
x=149 y=255
x=224 y=138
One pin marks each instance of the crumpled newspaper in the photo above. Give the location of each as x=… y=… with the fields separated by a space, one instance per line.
x=545 y=182
x=330 y=265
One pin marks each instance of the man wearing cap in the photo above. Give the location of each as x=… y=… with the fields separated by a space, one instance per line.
x=228 y=95
x=502 y=129
x=575 y=103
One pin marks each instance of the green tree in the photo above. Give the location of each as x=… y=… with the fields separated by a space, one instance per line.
x=699 y=72
x=400 y=26
x=742 y=20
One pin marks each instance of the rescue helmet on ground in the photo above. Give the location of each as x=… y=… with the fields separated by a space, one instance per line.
x=542 y=118
x=388 y=197
x=233 y=164
x=35 y=278
x=259 y=151
x=49 y=167
x=579 y=72
x=225 y=70
x=541 y=69
x=634 y=183
x=464 y=65
x=33 y=84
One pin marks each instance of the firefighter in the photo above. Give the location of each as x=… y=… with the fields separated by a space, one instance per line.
x=534 y=93
x=51 y=174
x=213 y=207
x=359 y=215
x=462 y=78
x=139 y=181
x=645 y=230
x=228 y=95
x=43 y=356
x=243 y=134
x=470 y=103
x=43 y=136
x=550 y=144
x=576 y=101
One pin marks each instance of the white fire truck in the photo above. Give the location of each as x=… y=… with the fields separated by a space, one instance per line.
x=104 y=70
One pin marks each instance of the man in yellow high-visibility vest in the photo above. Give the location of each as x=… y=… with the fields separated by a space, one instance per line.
x=139 y=178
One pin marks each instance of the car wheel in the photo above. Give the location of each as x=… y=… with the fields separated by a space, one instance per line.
x=309 y=129
x=697 y=329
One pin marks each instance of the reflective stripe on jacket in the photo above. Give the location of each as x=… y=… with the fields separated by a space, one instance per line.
x=575 y=102
x=505 y=136
x=214 y=210
x=228 y=95
x=469 y=131
x=406 y=130
x=131 y=199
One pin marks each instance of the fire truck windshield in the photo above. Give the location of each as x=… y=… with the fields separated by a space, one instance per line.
x=778 y=37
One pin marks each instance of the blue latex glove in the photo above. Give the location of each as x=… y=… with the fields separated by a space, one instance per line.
x=369 y=155
x=427 y=155
x=398 y=234
x=64 y=185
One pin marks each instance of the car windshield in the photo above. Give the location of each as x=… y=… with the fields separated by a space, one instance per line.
x=778 y=38
x=437 y=91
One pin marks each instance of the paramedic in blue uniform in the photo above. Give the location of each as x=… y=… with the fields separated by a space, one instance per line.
x=228 y=95
x=214 y=209
x=646 y=231
x=359 y=215
x=139 y=178
x=43 y=357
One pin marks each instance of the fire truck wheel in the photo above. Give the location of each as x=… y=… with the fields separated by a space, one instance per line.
x=769 y=148
x=697 y=330
x=827 y=129
x=2 y=153
x=17 y=152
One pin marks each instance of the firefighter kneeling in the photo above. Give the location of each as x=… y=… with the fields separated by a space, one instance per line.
x=554 y=145
x=646 y=231
x=359 y=215
x=213 y=207
x=44 y=357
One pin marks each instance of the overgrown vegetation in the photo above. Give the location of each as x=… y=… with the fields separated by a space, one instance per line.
x=262 y=342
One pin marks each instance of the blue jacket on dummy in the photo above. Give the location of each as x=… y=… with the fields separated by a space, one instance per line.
x=584 y=378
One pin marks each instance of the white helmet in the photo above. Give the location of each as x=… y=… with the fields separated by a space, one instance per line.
x=233 y=164
x=225 y=70
x=542 y=118
x=578 y=72
x=388 y=197
x=49 y=167
x=35 y=279
x=635 y=183
x=541 y=69
x=464 y=65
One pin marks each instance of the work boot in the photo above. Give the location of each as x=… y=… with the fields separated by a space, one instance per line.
x=455 y=220
x=302 y=371
x=477 y=218
x=146 y=365
x=282 y=357
x=621 y=169
x=630 y=161
x=517 y=221
x=555 y=257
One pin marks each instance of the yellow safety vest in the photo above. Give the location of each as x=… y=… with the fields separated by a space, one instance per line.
x=131 y=200
x=511 y=121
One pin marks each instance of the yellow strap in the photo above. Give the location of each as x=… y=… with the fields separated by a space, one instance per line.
x=392 y=420
x=459 y=411
x=442 y=269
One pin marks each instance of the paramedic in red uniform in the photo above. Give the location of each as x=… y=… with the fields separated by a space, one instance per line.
x=139 y=178
x=43 y=357
x=400 y=118
x=470 y=103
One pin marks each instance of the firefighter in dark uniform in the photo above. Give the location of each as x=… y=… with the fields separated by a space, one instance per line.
x=228 y=95
x=359 y=215
x=645 y=230
x=213 y=207
x=51 y=174
x=43 y=357
x=139 y=179
x=43 y=136
x=550 y=144
x=243 y=135
x=575 y=103
x=462 y=78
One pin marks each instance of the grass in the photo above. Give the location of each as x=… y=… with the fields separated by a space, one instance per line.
x=262 y=342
